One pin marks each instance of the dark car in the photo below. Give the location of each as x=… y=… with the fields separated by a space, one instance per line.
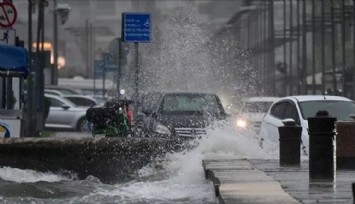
x=179 y=115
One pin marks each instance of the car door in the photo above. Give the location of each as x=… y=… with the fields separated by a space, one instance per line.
x=58 y=115
x=283 y=110
x=272 y=120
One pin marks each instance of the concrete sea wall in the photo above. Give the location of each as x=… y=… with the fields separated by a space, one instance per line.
x=112 y=160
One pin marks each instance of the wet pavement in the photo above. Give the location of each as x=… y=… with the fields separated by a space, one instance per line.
x=264 y=181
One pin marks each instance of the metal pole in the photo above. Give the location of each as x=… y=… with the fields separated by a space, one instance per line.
x=353 y=67
x=103 y=80
x=291 y=46
x=304 y=49
x=136 y=46
x=313 y=50
x=30 y=32
x=40 y=83
x=284 y=47
x=55 y=47
x=298 y=47
x=333 y=47
x=272 y=47
x=248 y=33
x=343 y=46
x=119 y=64
x=260 y=39
x=29 y=123
x=323 y=48
x=87 y=50
x=265 y=44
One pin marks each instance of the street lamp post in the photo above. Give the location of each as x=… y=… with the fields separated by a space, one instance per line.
x=63 y=10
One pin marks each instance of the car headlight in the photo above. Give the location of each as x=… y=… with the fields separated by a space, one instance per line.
x=162 y=130
x=242 y=123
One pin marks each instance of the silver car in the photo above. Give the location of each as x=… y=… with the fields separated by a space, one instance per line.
x=63 y=114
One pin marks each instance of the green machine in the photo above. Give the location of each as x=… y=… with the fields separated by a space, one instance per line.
x=112 y=120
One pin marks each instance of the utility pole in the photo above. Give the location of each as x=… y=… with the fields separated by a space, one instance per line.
x=55 y=44
x=272 y=49
x=29 y=107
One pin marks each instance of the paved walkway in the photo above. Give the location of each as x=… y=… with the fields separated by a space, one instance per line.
x=264 y=181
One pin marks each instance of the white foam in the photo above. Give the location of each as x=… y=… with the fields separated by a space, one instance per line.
x=185 y=178
x=28 y=176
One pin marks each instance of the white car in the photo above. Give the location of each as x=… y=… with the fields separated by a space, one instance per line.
x=300 y=108
x=252 y=112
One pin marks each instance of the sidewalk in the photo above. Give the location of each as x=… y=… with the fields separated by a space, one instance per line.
x=264 y=181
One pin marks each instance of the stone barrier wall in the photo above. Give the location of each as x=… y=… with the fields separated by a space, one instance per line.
x=112 y=160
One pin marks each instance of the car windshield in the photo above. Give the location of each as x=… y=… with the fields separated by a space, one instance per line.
x=59 y=103
x=67 y=92
x=339 y=109
x=190 y=103
x=81 y=101
x=256 y=106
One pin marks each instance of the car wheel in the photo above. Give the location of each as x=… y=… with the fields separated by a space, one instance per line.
x=83 y=125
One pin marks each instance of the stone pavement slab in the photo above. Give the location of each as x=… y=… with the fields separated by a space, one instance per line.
x=295 y=181
x=265 y=181
x=236 y=181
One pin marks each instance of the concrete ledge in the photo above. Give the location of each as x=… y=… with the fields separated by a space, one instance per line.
x=236 y=181
x=112 y=160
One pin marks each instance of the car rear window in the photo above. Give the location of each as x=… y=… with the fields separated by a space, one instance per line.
x=339 y=109
x=190 y=103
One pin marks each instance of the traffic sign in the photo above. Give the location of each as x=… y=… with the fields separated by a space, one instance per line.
x=136 y=27
x=8 y=14
x=7 y=37
x=98 y=67
x=107 y=58
x=111 y=67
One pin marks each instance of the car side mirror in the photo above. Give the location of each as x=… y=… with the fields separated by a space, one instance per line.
x=65 y=107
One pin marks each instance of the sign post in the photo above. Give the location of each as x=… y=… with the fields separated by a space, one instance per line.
x=136 y=27
x=98 y=71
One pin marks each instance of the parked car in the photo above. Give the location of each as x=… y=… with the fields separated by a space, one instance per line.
x=53 y=92
x=81 y=101
x=300 y=108
x=61 y=89
x=179 y=115
x=252 y=112
x=63 y=114
x=101 y=100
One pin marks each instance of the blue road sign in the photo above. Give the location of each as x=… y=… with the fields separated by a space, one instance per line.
x=136 y=27
x=111 y=67
x=107 y=58
x=99 y=67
